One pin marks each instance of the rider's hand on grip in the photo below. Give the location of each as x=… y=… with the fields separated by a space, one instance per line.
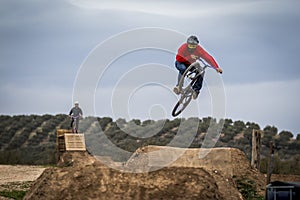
x=219 y=70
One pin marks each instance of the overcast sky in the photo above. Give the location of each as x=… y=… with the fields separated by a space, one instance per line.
x=45 y=44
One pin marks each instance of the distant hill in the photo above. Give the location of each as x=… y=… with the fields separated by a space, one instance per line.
x=30 y=139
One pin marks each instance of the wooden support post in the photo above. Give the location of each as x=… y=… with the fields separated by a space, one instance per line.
x=270 y=167
x=256 y=144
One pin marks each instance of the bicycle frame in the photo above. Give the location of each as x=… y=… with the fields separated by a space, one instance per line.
x=75 y=121
x=192 y=73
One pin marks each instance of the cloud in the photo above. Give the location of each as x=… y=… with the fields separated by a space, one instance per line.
x=148 y=7
x=188 y=9
x=255 y=42
x=266 y=103
x=178 y=9
x=16 y=99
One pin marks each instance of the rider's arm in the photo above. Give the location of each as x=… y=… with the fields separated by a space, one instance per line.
x=71 y=111
x=208 y=58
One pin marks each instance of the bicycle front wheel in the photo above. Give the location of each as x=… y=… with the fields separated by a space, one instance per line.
x=181 y=104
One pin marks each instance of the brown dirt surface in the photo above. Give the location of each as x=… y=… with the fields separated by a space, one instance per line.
x=226 y=165
x=285 y=178
x=213 y=176
x=89 y=180
x=19 y=173
x=18 y=177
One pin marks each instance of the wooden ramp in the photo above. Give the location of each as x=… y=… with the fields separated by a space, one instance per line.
x=68 y=141
x=74 y=142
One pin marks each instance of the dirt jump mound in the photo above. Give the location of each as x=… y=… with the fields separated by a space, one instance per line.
x=81 y=176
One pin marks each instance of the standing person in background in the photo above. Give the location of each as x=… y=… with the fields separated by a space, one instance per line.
x=75 y=114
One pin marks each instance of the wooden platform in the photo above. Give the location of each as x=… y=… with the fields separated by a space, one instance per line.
x=68 y=141
x=74 y=142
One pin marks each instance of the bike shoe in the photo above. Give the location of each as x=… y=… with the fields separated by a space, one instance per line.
x=195 y=94
x=176 y=90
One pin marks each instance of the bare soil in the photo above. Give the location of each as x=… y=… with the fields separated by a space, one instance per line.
x=285 y=178
x=19 y=173
x=81 y=176
x=94 y=180
x=18 y=177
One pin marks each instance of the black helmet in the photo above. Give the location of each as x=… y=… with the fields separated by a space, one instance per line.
x=192 y=40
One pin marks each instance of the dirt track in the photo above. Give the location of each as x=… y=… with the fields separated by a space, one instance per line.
x=84 y=177
x=18 y=177
x=19 y=173
x=85 y=180
x=81 y=176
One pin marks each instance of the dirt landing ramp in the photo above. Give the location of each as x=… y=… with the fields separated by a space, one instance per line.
x=92 y=180
x=225 y=164
x=220 y=159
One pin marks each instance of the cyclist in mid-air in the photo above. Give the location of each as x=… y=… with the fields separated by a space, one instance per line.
x=188 y=53
x=75 y=113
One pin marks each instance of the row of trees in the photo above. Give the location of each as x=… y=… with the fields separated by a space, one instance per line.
x=30 y=133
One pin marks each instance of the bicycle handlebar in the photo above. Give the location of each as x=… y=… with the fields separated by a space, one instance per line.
x=205 y=65
x=198 y=65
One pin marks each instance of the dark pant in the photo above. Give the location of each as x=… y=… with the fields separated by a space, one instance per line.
x=181 y=68
x=76 y=121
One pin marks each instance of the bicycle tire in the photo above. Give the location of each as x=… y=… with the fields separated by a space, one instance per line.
x=175 y=111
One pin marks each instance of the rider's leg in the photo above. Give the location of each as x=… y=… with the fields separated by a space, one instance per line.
x=178 y=78
x=181 y=68
x=198 y=84
x=77 y=123
x=71 y=125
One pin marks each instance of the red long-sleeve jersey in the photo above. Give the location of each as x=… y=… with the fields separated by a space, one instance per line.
x=187 y=57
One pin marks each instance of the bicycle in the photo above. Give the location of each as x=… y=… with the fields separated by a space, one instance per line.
x=75 y=123
x=186 y=83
